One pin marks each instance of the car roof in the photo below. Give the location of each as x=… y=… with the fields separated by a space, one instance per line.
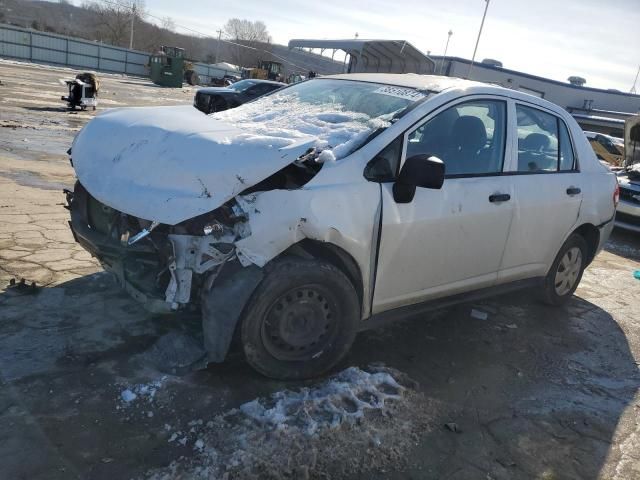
x=258 y=80
x=214 y=90
x=438 y=84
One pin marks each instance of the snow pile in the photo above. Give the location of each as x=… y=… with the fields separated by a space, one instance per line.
x=142 y=391
x=344 y=398
x=278 y=120
x=355 y=421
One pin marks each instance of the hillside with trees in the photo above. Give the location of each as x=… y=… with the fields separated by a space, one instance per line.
x=244 y=42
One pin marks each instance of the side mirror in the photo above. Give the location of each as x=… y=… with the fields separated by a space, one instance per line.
x=426 y=171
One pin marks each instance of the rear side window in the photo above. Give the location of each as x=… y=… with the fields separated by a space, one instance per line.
x=544 y=144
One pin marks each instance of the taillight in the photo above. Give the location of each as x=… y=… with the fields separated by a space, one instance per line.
x=616 y=195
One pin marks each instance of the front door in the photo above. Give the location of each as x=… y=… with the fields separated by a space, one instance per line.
x=450 y=240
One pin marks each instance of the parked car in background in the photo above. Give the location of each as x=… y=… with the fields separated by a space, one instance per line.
x=217 y=99
x=607 y=148
x=628 y=213
x=294 y=221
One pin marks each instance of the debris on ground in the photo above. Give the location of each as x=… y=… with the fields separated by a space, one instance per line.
x=22 y=286
x=176 y=353
x=479 y=314
x=452 y=427
x=142 y=391
x=636 y=274
x=356 y=421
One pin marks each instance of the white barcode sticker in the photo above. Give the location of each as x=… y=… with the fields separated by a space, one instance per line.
x=400 y=92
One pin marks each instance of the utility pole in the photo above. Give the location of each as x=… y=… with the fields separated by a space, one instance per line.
x=218 y=44
x=446 y=47
x=486 y=7
x=133 y=17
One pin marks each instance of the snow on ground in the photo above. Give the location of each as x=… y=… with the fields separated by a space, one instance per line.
x=357 y=420
x=282 y=120
x=140 y=392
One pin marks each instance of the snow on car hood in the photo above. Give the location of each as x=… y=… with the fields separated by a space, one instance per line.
x=169 y=164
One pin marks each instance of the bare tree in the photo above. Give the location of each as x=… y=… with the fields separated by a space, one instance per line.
x=246 y=30
x=168 y=24
x=250 y=39
x=113 y=20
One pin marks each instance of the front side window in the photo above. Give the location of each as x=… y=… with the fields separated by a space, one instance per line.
x=469 y=138
x=544 y=144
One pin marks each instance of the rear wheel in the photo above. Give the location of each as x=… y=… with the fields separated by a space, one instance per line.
x=301 y=320
x=566 y=272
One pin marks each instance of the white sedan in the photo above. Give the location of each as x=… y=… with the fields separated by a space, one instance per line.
x=333 y=204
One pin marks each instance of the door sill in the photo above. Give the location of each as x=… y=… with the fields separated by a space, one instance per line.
x=408 y=311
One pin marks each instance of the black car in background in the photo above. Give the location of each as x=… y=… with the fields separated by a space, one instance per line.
x=216 y=99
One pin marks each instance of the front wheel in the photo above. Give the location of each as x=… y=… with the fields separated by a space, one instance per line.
x=566 y=271
x=301 y=320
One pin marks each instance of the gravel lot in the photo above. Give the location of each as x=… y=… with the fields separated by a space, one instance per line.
x=87 y=392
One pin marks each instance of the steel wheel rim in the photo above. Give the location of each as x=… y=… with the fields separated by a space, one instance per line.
x=568 y=271
x=300 y=324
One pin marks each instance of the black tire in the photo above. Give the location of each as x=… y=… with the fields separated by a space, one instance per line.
x=191 y=77
x=300 y=321
x=554 y=293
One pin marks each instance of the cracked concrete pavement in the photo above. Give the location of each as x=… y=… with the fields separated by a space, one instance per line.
x=536 y=392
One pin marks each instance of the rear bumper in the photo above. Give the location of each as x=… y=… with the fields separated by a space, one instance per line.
x=628 y=216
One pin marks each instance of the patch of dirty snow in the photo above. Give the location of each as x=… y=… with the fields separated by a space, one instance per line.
x=142 y=391
x=287 y=120
x=343 y=399
x=356 y=421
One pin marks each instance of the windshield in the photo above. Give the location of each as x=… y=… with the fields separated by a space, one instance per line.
x=372 y=99
x=340 y=114
x=242 y=85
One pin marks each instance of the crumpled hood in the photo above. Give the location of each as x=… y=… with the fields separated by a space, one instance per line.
x=169 y=164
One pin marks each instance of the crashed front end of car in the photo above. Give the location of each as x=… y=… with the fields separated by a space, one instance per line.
x=197 y=213
x=159 y=202
x=164 y=267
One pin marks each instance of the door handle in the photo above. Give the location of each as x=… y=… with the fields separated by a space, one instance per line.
x=573 y=191
x=499 y=197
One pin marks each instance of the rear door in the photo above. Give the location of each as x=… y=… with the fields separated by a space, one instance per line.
x=450 y=240
x=548 y=192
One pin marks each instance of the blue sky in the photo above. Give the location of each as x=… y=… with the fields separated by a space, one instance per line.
x=554 y=38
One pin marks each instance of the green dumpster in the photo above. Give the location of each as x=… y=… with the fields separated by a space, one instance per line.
x=167 y=67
